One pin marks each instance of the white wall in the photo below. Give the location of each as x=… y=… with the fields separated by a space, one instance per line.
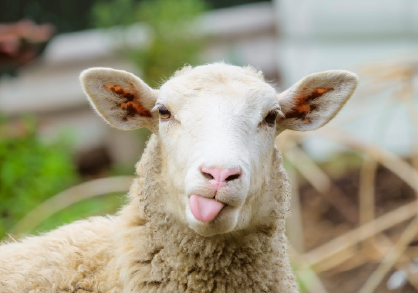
x=319 y=35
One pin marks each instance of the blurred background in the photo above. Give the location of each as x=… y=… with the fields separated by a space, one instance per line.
x=354 y=224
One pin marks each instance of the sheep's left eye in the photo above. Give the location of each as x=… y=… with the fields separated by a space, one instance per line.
x=164 y=112
x=271 y=118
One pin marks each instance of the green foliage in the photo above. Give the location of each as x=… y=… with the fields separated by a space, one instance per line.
x=74 y=15
x=107 y=14
x=30 y=171
x=65 y=15
x=228 y=3
x=173 y=42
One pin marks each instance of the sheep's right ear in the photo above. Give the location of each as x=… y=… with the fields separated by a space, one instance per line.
x=121 y=98
x=315 y=100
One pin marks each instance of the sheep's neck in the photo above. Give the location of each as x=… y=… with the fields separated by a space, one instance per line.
x=162 y=254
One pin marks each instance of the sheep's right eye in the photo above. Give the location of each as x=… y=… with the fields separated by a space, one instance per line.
x=164 y=112
x=271 y=118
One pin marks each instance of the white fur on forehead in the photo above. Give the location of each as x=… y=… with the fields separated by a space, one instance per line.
x=242 y=85
x=218 y=79
x=218 y=72
x=181 y=71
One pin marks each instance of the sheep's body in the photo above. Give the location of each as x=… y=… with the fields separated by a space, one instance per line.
x=145 y=250
x=207 y=211
x=74 y=258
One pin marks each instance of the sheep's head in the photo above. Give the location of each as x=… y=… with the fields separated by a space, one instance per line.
x=217 y=126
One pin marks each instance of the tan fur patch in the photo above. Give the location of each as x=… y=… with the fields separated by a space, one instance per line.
x=131 y=106
x=303 y=105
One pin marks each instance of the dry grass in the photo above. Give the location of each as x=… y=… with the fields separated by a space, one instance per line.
x=399 y=77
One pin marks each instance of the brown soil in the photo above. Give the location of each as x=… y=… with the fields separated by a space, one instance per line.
x=322 y=222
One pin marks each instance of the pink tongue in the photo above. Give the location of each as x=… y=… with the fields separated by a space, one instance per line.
x=204 y=209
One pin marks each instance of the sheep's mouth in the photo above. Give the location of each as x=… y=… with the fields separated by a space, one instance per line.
x=205 y=209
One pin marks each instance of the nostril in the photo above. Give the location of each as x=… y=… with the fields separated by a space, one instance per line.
x=207 y=176
x=224 y=175
x=232 y=177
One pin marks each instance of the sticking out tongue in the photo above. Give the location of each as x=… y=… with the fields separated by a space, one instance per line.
x=204 y=209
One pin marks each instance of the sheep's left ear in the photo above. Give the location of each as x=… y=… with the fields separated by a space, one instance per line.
x=315 y=100
x=121 y=98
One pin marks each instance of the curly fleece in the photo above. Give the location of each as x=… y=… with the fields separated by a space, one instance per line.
x=143 y=249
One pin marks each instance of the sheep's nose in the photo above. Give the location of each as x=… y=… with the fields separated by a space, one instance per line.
x=220 y=176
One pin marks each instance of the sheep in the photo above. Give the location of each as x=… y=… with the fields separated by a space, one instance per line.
x=207 y=210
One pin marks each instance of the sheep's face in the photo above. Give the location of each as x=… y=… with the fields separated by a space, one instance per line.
x=217 y=125
x=217 y=128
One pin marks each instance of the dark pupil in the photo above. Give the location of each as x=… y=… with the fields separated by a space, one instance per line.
x=164 y=111
x=271 y=117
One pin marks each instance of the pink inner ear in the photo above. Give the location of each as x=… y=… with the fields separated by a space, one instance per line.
x=131 y=104
x=304 y=106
